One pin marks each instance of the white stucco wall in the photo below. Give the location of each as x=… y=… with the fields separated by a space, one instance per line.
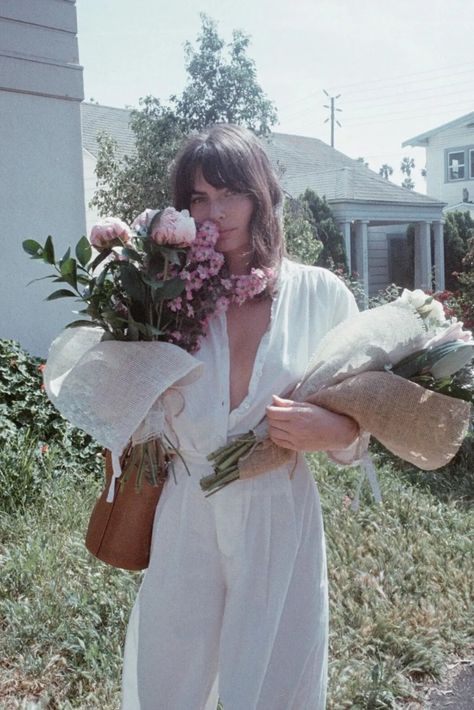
x=437 y=186
x=41 y=175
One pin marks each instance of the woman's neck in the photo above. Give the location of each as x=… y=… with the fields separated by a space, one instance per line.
x=238 y=262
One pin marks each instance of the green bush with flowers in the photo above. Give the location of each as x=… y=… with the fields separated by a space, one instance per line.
x=29 y=427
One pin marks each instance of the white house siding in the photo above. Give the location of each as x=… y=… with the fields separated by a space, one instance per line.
x=377 y=259
x=437 y=186
x=41 y=175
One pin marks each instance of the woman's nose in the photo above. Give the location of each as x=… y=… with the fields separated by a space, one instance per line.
x=216 y=211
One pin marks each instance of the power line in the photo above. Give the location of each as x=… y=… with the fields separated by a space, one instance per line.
x=387 y=84
x=415 y=104
x=385 y=80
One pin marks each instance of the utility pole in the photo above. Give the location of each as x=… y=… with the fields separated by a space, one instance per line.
x=333 y=114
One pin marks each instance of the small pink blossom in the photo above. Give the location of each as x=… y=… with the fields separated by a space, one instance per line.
x=207 y=234
x=110 y=232
x=176 y=304
x=202 y=272
x=174 y=228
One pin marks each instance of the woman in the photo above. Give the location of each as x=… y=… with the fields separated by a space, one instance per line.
x=234 y=602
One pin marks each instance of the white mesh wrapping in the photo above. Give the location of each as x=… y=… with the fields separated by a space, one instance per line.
x=111 y=388
x=369 y=341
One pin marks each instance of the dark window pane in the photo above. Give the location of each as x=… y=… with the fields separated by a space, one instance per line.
x=456 y=166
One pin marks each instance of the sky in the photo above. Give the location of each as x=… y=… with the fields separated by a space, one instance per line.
x=401 y=67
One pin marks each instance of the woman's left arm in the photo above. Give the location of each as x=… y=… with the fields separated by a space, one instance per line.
x=302 y=426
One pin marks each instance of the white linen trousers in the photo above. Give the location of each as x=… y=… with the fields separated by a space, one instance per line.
x=234 y=602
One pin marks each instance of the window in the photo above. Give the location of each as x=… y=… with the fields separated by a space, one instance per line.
x=456 y=165
x=471 y=163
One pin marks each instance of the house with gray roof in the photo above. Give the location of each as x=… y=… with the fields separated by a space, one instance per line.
x=450 y=162
x=372 y=212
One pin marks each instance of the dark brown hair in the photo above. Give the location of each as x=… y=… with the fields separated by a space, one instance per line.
x=231 y=156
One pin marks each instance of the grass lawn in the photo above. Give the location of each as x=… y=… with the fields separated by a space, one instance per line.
x=401 y=584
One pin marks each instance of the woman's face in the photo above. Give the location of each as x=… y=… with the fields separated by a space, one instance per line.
x=231 y=211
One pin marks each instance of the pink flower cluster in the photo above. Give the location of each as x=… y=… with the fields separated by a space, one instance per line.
x=184 y=319
x=246 y=286
x=202 y=289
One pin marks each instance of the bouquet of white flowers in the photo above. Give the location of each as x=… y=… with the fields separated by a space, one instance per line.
x=387 y=368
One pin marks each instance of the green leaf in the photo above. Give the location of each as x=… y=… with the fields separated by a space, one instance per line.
x=33 y=248
x=42 y=278
x=48 y=251
x=132 y=282
x=172 y=288
x=77 y=323
x=66 y=256
x=62 y=293
x=69 y=271
x=99 y=259
x=129 y=253
x=154 y=284
x=83 y=251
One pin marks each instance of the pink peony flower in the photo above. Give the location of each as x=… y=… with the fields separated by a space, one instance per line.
x=143 y=221
x=174 y=228
x=110 y=232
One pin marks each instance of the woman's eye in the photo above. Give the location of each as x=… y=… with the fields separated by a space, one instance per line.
x=196 y=200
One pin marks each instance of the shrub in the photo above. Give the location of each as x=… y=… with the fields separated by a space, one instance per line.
x=29 y=427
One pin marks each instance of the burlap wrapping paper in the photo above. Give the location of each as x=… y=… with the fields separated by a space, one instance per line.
x=347 y=375
x=111 y=389
x=420 y=426
x=266 y=456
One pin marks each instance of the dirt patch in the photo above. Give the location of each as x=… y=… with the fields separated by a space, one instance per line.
x=456 y=692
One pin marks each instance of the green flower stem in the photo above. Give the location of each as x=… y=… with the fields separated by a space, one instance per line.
x=226 y=463
x=165 y=276
x=227 y=448
x=217 y=481
x=234 y=457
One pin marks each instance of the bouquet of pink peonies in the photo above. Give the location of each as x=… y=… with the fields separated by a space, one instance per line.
x=391 y=369
x=159 y=279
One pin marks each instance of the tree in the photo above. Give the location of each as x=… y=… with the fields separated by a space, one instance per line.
x=385 y=171
x=301 y=238
x=218 y=89
x=126 y=187
x=406 y=166
x=458 y=234
x=332 y=254
x=408 y=183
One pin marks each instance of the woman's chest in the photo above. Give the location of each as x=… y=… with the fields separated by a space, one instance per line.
x=246 y=326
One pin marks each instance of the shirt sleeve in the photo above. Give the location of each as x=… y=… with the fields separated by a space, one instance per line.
x=344 y=307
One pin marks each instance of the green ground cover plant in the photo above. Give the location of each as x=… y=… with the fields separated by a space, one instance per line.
x=401 y=582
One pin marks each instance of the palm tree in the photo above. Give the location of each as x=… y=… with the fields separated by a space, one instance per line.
x=385 y=171
x=407 y=165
